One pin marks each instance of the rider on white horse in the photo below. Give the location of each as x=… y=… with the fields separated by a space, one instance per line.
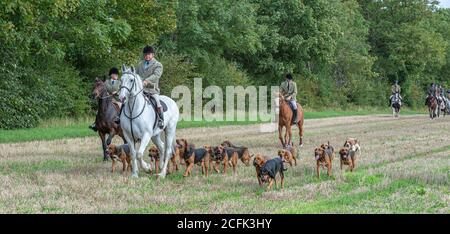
x=150 y=71
x=138 y=121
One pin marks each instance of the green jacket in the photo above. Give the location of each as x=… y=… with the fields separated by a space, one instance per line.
x=396 y=88
x=113 y=88
x=289 y=90
x=152 y=74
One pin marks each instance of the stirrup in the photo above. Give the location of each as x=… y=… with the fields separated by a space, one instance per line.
x=93 y=127
x=160 y=123
x=117 y=121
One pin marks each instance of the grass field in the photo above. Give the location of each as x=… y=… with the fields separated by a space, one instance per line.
x=69 y=128
x=404 y=168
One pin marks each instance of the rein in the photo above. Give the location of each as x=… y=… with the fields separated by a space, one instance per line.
x=130 y=117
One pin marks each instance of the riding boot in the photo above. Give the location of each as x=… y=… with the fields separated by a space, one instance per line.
x=294 y=117
x=117 y=119
x=93 y=127
x=161 y=117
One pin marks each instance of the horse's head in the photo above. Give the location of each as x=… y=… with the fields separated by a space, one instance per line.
x=99 y=88
x=131 y=83
x=280 y=99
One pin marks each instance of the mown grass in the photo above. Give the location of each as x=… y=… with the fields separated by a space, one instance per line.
x=70 y=128
x=62 y=177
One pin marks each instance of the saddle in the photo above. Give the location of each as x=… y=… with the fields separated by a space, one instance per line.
x=151 y=101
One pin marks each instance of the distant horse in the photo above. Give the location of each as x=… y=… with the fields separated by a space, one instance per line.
x=442 y=107
x=107 y=111
x=285 y=121
x=138 y=121
x=432 y=106
x=395 y=104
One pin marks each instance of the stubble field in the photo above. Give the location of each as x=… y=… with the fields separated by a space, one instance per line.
x=404 y=167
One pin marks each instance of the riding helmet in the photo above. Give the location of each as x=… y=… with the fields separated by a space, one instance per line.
x=148 y=49
x=114 y=70
x=289 y=76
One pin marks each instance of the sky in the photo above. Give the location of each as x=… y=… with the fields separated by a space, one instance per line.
x=444 y=3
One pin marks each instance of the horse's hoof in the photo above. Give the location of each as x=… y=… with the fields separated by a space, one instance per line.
x=134 y=175
x=301 y=145
x=161 y=176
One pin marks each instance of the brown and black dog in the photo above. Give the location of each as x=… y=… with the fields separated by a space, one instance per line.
x=259 y=162
x=287 y=156
x=182 y=146
x=192 y=156
x=270 y=170
x=230 y=156
x=155 y=157
x=347 y=158
x=324 y=157
x=227 y=143
x=120 y=153
x=242 y=151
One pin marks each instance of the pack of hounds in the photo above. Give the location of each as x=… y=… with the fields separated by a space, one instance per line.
x=219 y=158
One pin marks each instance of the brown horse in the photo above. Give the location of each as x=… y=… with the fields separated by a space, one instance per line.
x=285 y=121
x=432 y=106
x=107 y=111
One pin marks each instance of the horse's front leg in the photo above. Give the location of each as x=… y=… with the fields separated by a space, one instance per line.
x=140 y=153
x=134 y=166
x=170 y=135
x=110 y=137
x=289 y=133
x=280 y=132
x=102 y=137
x=160 y=144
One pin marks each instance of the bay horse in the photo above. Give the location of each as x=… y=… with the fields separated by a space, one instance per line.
x=432 y=106
x=395 y=104
x=104 y=120
x=138 y=122
x=285 y=121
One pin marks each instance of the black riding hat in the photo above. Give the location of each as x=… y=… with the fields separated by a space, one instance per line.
x=114 y=70
x=289 y=76
x=148 y=49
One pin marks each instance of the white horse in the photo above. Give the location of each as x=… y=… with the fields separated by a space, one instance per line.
x=395 y=104
x=138 y=122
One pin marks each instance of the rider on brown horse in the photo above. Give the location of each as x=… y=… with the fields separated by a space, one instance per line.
x=431 y=92
x=288 y=90
x=112 y=86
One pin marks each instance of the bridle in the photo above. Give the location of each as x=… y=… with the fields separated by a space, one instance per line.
x=131 y=107
x=104 y=91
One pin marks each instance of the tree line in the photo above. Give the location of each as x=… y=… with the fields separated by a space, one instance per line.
x=342 y=52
